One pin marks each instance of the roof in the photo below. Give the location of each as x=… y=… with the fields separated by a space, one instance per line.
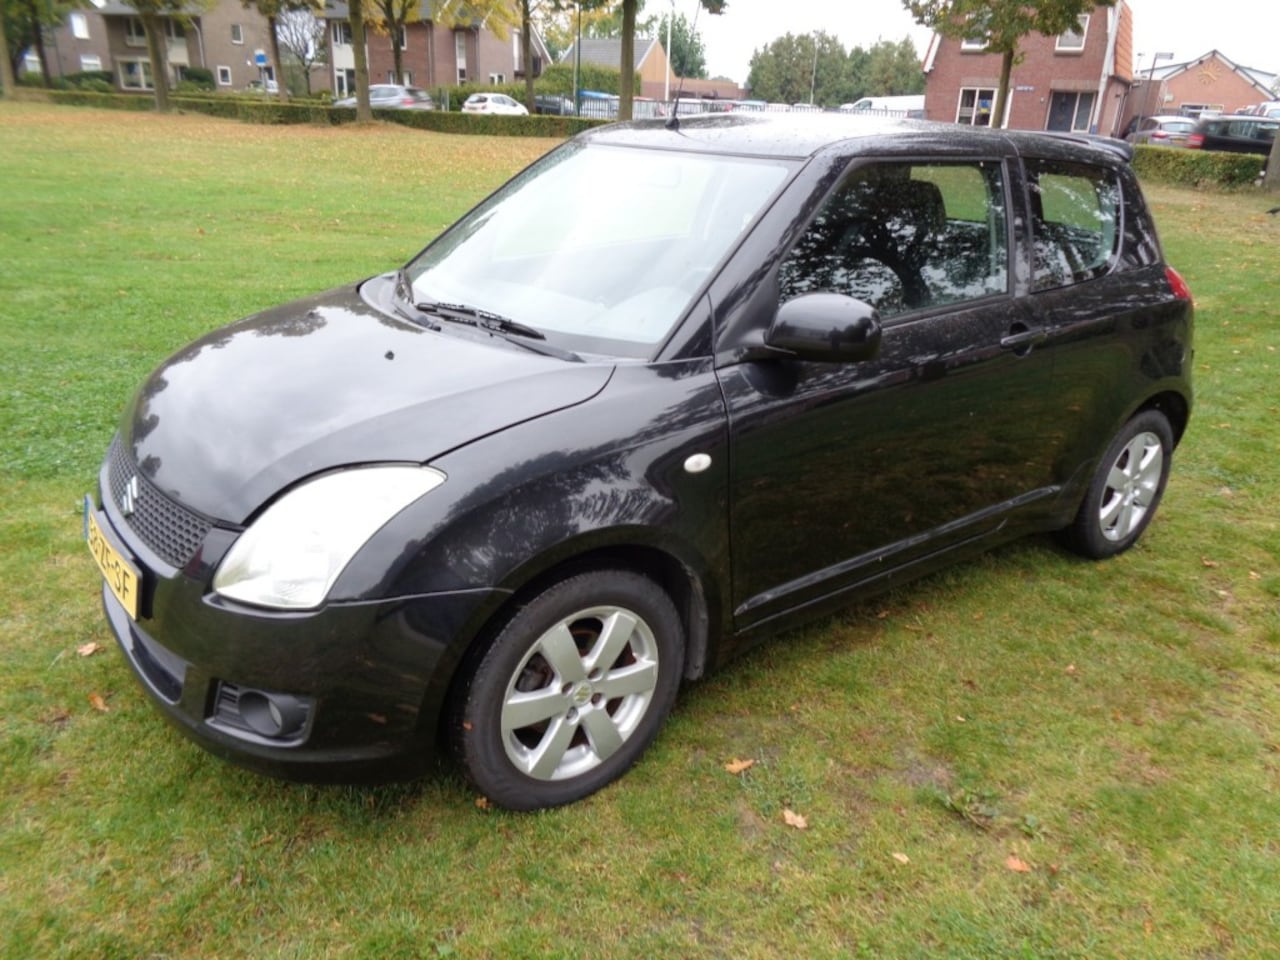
x=603 y=52
x=802 y=135
x=1260 y=78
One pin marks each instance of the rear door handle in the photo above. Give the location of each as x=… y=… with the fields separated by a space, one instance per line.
x=1021 y=339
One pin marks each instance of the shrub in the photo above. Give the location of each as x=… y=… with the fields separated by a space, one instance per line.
x=197 y=78
x=1197 y=167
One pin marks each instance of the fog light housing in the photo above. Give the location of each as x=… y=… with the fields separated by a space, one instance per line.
x=264 y=716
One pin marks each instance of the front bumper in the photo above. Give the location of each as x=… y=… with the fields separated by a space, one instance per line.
x=371 y=677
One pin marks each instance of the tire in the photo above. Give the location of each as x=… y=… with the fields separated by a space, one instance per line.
x=1125 y=490
x=573 y=689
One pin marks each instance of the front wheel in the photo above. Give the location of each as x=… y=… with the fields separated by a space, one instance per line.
x=1125 y=490
x=572 y=690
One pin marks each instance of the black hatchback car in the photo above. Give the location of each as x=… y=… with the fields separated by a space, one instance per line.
x=668 y=390
x=1234 y=134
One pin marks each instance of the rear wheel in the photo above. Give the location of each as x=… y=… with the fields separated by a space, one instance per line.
x=573 y=689
x=1126 y=489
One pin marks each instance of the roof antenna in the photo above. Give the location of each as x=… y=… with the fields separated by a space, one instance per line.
x=673 y=121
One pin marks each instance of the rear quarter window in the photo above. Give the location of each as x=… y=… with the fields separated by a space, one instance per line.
x=1075 y=222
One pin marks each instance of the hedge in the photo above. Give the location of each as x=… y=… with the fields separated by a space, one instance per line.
x=1197 y=167
x=258 y=109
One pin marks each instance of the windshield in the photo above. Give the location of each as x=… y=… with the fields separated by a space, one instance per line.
x=600 y=247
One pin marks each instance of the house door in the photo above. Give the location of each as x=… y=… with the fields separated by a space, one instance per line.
x=1070 y=111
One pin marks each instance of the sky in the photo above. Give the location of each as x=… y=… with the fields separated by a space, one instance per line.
x=1245 y=31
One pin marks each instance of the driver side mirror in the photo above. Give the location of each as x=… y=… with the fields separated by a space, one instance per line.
x=828 y=327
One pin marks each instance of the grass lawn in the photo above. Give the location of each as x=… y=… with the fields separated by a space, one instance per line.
x=1028 y=756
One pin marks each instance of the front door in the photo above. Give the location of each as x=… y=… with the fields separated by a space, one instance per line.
x=843 y=472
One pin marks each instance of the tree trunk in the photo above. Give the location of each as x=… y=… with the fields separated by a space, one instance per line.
x=153 y=26
x=627 y=83
x=1002 y=92
x=37 y=28
x=526 y=54
x=7 y=79
x=1272 y=181
x=364 y=113
x=282 y=91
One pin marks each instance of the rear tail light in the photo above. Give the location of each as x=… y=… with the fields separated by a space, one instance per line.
x=1159 y=135
x=1195 y=140
x=407 y=102
x=1177 y=284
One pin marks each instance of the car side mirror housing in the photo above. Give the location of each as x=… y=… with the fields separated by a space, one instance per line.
x=828 y=327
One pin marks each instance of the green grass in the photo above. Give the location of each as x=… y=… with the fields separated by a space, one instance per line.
x=1112 y=726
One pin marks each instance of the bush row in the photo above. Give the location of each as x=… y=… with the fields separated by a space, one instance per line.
x=272 y=111
x=1197 y=167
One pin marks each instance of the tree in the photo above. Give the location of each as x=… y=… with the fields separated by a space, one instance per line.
x=688 y=55
x=23 y=27
x=392 y=20
x=272 y=10
x=1271 y=182
x=153 y=14
x=628 y=64
x=793 y=69
x=301 y=37
x=893 y=69
x=7 y=81
x=1002 y=24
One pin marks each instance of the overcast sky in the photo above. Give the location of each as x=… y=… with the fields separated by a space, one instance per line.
x=1245 y=31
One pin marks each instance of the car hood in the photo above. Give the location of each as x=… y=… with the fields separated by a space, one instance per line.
x=230 y=420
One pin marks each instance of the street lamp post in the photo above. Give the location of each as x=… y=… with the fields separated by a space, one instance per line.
x=1151 y=73
x=813 y=76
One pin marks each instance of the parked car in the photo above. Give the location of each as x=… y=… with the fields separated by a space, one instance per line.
x=553 y=104
x=393 y=96
x=496 y=103
x=507 y=498
x=1270 y=109
x=1162 y=131
x=268 y=87
x=1234 y=134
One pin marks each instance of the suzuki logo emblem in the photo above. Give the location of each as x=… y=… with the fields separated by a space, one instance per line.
x=129 y=498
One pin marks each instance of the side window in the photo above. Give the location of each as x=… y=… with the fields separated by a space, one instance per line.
x=1075 y=222
x=905 y=236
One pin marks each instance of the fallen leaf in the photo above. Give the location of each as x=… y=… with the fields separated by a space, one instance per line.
x=793 y=819
x=1017 y=865
x=1208 y=563
x=483 y=803
x=902 y=858
x=1254 y=575
x=98 y=703
x=960 y=719
x=736 y=766
x=88 y=649
x=238 y=879
x=1071 y=669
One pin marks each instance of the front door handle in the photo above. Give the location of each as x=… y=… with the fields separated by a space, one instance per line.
x=1020 y=339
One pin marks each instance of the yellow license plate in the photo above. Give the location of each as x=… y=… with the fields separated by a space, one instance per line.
x=122 y=577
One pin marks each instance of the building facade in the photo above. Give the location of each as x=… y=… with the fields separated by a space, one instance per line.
x=1077 y=81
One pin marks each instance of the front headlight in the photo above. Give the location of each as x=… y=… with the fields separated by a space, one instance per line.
x=292 y=554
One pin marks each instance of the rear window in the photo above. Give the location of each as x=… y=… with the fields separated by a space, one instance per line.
x=1075 y=225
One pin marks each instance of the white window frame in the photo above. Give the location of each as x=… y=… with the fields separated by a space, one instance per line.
x=79 y=24
x=342 y=34
x=977 y=92
x=974 y=46
x=224 y=76
x=497 y=78
x=90 y=61
x=1073 y=41
x=237 y=34
x=135 y=34
x=460 y=54
x=404 y=37
x=144 y=71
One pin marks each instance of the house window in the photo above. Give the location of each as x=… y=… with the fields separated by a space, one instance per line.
x=174 y=30
x=341 y=33
x=460 y=54
x=90 y=61
x=134 y=34
x=31 y=62
x=1070 y=111
x=79 y=26
x=224 y=76
x=237 y=33
x=1073 y=40
x=975 y=106
x=403 y=34
x=344 y=83
x=497 y=78
x=135 y=75
x=973 y=45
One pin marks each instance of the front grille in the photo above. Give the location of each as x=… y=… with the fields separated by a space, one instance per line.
x=172 y=531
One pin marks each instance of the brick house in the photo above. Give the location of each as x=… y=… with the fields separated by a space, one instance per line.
x=1078 y=80
x=1208 y=84
x=226 y=39
x=431 y=55
x=650 y=61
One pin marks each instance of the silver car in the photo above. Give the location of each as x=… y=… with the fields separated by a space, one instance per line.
x=1166 y=131
x=393 y=96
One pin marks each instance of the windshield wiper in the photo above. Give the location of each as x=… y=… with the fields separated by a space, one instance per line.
x=404 y=297
x=513 y=331
x=475 y=317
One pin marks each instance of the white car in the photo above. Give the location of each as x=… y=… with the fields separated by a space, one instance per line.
x=494 y=103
